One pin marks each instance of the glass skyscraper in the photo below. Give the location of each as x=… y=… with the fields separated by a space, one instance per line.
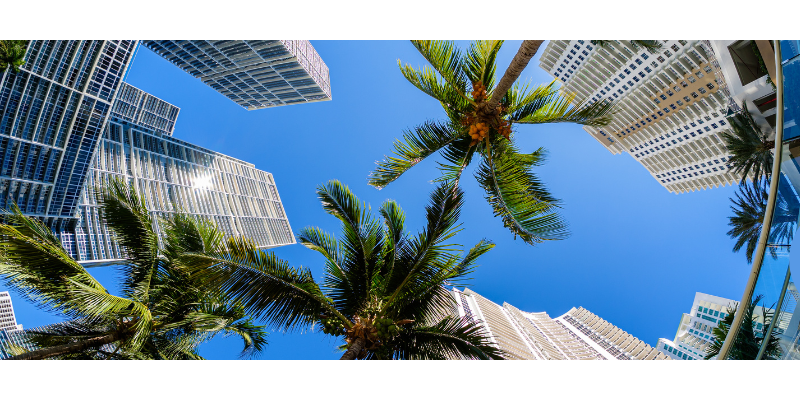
x=253 y=73
x=52 y=115
x=173 y=176
x=69 y=123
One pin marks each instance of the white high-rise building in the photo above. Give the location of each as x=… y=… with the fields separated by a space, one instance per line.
x=576 y=335
x=8 y=322
x=671 y=105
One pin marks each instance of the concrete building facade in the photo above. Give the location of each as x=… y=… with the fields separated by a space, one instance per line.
x=8 y=321
x=576 y=335
x=672 y=104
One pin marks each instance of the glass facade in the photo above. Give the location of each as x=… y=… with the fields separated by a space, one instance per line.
x=253 y=73
x=68 y=122
x=775 y=282
x=173 y=176
x=52 y=115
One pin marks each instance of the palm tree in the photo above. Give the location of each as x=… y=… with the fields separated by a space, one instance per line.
x=748 y=341
x=12 y=54
x=161 y=313
x=382 y=289
x=650 y=45
x=751 y=150
x=480 y=117
x=749 y=208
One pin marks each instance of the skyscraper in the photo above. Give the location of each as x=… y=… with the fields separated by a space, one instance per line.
x=173 y=176
x=576 y=335
x=52 y=114
x=59 y=138
x=672 y=105
x=8 y=322
x=253 y=73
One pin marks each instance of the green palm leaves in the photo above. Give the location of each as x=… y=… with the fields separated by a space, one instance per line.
x=751 y=151
x=161 y=314
x=464 y=84
x=12 y=54
x=382 y=290
x=750 y=338
x=751 y=156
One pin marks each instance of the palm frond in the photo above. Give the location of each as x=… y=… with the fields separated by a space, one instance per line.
x=35 y=265
x=127 y=216
x=415 y=146
x=517 y=196
x=559 y=108
x=264 y=285
x=451 y=338
x=431 y=84
x=446 y=59
x=480 y=62
x=750 y=149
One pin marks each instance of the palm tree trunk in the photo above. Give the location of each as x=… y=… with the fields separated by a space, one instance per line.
x=354 y=350
x=526 y=51
x=69 y=348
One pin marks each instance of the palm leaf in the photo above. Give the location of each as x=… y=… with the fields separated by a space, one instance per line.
x=525 y=206
x=451 y=338
x=415 y=146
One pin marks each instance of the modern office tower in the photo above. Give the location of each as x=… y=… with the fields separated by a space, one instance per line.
x=253 y=73
x=52 y=114
x=695 y=331
x=173 y=176
x=8 y=322
x=672 y=105
x=576 y=335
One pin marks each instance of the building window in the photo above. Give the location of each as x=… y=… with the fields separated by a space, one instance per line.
x=644 y=56
x=686 y=99
x=710 y=86
x=675 y=48
x=660 y=59
x=648 y=69
x=667 y=53
x=699 y=74
x=701 y=90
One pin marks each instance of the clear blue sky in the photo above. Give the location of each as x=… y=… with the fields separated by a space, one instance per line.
x=636 y=256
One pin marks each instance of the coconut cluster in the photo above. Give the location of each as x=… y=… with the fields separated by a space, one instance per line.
x=480 y=124
x=332 y=326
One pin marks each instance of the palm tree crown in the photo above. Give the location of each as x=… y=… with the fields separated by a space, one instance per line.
x=382 y=290
x=464 y=84
x=750 y=148
x=161 y=313
x=12 y=54
x=749 y=208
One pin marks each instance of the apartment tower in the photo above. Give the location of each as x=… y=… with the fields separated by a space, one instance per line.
x=671 y=105
x=576 y=335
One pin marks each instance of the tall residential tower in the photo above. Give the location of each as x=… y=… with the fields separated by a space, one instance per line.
x=576 y=335
x=672 y=104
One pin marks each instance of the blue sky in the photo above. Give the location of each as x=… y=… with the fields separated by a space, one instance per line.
x=636 y=256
